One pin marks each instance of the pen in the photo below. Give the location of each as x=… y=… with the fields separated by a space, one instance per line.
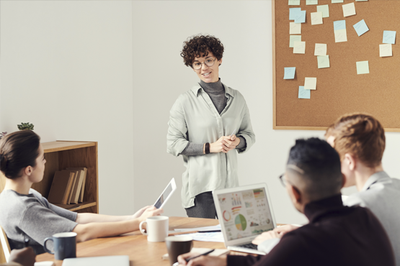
x=26 y=242
x=202 y=254
x=209 y=231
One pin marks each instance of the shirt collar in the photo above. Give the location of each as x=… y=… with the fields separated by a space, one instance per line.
x=316 y=210
x=373 y=178
x=197 y=88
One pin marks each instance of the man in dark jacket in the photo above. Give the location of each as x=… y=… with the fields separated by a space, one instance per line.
x=335 y=234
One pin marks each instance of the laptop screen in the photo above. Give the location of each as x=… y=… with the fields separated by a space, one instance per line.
x=245 y=213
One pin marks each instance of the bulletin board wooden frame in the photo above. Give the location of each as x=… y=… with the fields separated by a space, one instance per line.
x=340 y=89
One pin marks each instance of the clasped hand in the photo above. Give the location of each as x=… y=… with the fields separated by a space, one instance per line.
x=224 y=144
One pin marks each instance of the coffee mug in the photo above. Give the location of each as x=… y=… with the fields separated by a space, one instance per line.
x=64 y=245
x=156 y=228
x=178 y=245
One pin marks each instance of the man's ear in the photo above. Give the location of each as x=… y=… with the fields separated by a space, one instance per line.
x=350 y=161
x=297 y=197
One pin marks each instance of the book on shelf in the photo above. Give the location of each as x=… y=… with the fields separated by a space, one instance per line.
x=68 y=186
x=61 y=187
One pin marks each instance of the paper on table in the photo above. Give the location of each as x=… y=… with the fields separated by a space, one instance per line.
x=362 y=67
x=208 y=237
x=217 y=252
x=299 y=48
x=385 y=50
x=303 y=93
x=349 y=10
x=205 y=228
x=295 y=28
x=290 y=73
x=323 y=61
x=320 y=49
x=389 y=36
x=341 y=35
x=293 y=39
x=316 y=18
x=324 y=9
x=361 y=27
x=310 y=83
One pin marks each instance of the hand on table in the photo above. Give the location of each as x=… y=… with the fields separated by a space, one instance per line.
x=203 y=260
x=148 y=212
x=24 y=256
x=276 y=233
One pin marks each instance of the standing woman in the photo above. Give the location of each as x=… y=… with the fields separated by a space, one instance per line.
x=208 y=125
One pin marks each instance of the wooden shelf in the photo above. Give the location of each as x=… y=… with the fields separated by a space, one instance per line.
x=63 y=154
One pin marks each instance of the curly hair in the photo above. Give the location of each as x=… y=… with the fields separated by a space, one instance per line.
x=199 y=46
x=360 y=135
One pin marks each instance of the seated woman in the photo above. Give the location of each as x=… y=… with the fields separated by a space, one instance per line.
x=26 y=214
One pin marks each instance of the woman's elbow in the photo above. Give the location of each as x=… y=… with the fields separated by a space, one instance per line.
x=82 y=233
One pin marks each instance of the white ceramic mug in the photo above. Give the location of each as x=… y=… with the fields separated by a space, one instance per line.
x=156 y=228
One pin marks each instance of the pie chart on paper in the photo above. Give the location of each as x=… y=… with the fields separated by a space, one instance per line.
x=240 y=222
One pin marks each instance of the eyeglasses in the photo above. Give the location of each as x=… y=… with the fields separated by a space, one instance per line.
x=283 y=180
x=208 y=62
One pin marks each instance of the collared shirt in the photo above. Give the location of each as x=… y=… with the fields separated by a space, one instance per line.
x=381 y=194
x=194 y=118
x=336 y=235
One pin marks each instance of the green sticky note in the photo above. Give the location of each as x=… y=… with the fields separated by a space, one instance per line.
x=294 y=2
x=324 y=9
x=323 y=61
x=362 y=67
x=293 y=39
x=337 y=1
x=311 y=2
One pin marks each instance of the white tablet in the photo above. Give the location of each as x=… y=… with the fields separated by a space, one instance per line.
x=166 y=194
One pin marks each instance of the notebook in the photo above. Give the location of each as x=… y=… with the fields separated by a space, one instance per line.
x=244 y=213
x=98 y=261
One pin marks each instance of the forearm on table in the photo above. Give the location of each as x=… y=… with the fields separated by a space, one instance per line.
x=94 y=230
x=84 y=218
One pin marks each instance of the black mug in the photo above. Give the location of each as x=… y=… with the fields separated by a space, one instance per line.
x=64 y=245
x=178 y=245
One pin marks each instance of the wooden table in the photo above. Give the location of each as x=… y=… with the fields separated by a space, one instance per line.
x=136 y=246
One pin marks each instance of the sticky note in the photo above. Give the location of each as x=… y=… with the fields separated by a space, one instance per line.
x=323 y=61
x=341 y=35
x=320 y=49
x=361 y=27
x=293 y=39
x=362 y=67
x=294 y=2
x=290 y=72
x=336 y=1
x=389 y=36
x=385 y=50
x=339 y=25
x=293 y=12
x=299 y=47
x=349 y=10
x=324 y=9
x=294 y=28
x=311 y=2
x=316 y=18
x=361 y=0
x=310 y=83
x=300 y=17
x=303 y=93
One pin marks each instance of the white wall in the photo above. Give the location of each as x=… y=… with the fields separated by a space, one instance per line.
x=110 y=71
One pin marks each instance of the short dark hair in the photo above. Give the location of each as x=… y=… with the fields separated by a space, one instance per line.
x=320 y=163
x=199 y=46
x=17 y=151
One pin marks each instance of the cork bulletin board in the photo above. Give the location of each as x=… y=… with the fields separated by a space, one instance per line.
x=339 y=88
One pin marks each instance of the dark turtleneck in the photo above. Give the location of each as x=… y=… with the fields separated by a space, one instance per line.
x=216 y=91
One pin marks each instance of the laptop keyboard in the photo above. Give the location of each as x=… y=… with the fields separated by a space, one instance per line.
x=249 y=245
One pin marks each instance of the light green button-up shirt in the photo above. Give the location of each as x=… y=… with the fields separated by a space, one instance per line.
x=194 y=118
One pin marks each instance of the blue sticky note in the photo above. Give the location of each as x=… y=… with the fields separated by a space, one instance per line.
x=389 y=36
x=304 y=94
x=339 y=25
x=289 y=73
x=300 y=17
x=293 y=12
x=361 y=27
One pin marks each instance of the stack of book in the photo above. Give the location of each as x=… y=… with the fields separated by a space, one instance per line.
x=68 y=186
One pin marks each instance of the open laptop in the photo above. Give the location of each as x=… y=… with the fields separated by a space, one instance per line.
x=244 y=213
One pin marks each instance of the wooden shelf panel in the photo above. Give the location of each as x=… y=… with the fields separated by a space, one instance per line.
x=56 y=146
x=76 y=207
